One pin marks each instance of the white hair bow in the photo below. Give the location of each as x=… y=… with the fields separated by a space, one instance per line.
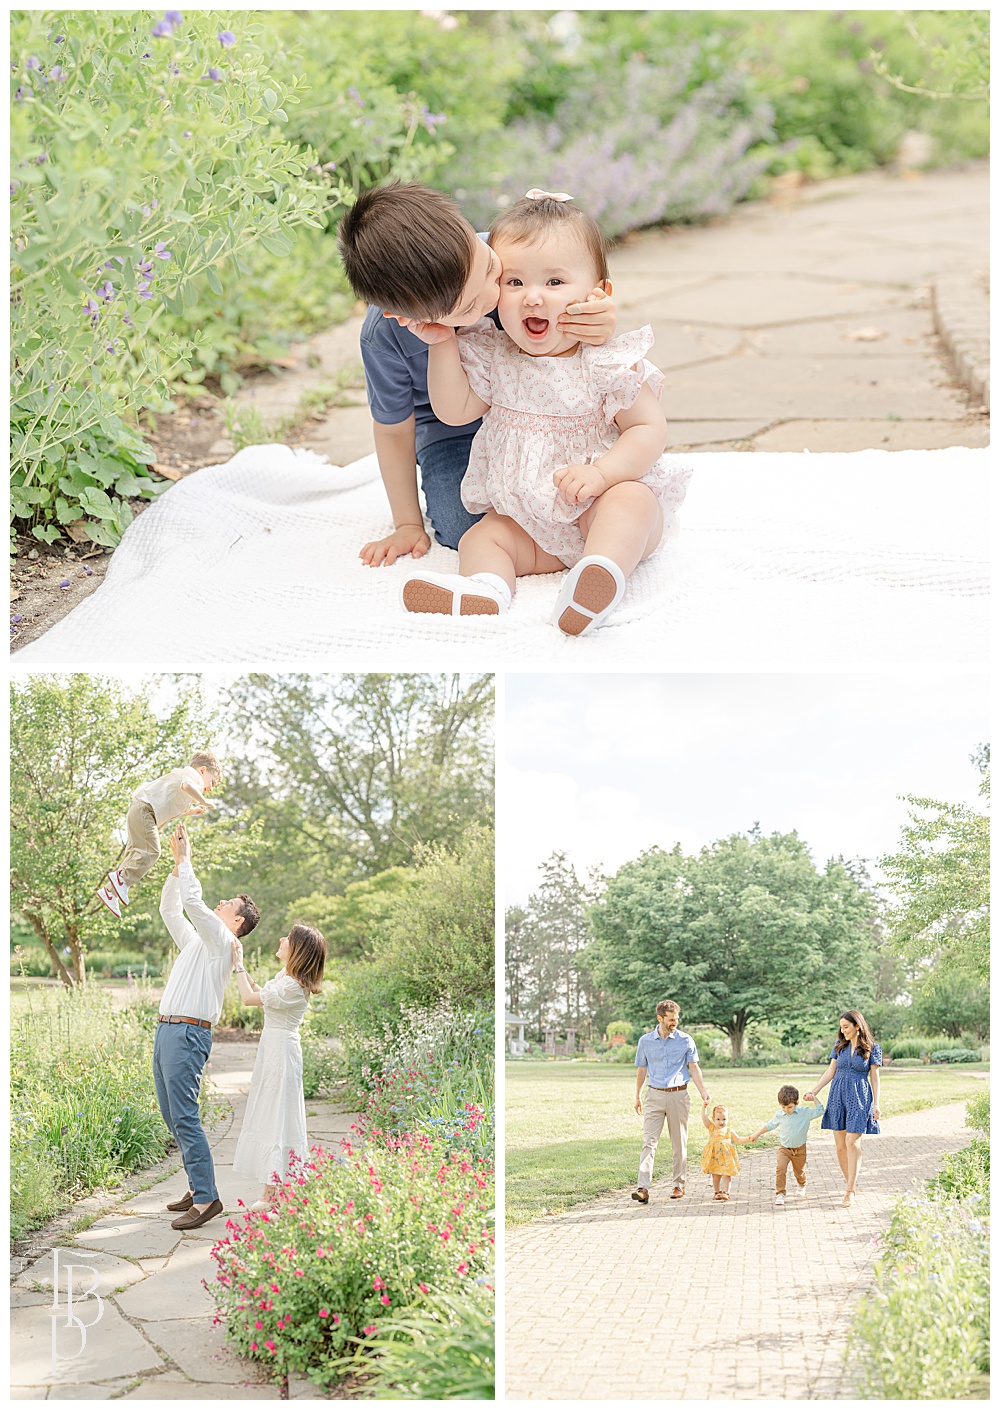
x=536 y=194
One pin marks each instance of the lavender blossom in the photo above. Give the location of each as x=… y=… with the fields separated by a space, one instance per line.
x=227 y=38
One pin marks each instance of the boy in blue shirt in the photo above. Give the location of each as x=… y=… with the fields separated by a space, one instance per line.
x=793 y=1123
x=413 y=257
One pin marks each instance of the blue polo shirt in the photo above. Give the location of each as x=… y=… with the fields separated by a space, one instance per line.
x=395 y=362
x=666 y=1059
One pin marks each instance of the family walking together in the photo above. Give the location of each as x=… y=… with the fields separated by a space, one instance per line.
x=210 y=949
x=666 y=1062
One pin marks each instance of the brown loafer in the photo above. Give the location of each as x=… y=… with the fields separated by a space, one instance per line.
x=182 y=1204
x=641 y=1195
x=194 y=1218
x=678 y=1192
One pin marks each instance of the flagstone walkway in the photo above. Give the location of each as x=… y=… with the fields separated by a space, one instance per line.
x=155 y=1339
x=693 y=1300
x=849 y=315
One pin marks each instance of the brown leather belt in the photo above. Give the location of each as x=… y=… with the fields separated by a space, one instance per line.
x=177 y=1018
x=681 y=1088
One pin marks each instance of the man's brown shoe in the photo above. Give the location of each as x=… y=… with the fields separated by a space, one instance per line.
x=182 y=1204
x=641 y=1195
x=194 y=1218
x=678 y=1192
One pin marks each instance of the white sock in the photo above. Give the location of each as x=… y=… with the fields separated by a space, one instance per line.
x=493 y=580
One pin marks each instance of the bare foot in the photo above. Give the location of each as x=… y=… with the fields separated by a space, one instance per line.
x=848 y=1199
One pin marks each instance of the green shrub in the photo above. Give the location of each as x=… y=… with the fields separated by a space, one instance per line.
x=977 y=1113
x=624 y=1055
x=319 y=1063
x=922 y=1332
x=620 y=1029
x=32 y=962
x=83 y=1104
x=444 y=1351
x=965 y=1172
x=910 y=1048
x=955 y=1055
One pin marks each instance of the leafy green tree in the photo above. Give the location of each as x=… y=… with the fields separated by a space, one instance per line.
x=362 y=769
x=950 y=1002
x=80 y=746
x=352 y=922
x=940 y=879
x=748 y=931
x=441 y=929
x=516 y=957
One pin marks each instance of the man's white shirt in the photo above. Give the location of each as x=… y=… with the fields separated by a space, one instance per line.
x=201 y=971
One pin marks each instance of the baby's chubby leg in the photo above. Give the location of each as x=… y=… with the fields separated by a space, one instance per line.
x=621 y=528
x=500 y=546
x=624 y=524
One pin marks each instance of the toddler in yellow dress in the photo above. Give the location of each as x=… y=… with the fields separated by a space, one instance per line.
x=719 y=1158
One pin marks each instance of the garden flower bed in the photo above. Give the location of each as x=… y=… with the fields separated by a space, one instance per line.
x=355 y=1239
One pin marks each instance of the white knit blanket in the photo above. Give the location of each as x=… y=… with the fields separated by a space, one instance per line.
x=779 y=561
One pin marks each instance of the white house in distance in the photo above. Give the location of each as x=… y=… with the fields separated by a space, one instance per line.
x=514 y=1027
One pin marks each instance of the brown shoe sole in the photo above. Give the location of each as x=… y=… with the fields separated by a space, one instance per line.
x=677 y=1194
x=593 y=592
x=431 y=597
x=640 y=1199
x=182 y=1205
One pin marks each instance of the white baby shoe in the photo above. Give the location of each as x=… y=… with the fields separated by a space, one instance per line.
x=592 y=589
x=451 y=595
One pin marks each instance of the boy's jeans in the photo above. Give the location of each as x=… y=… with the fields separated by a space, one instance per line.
x=794 y=1156
x=442 y=466
x=180 y=1051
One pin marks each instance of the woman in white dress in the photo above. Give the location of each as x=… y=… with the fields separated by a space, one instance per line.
x=274 y=1126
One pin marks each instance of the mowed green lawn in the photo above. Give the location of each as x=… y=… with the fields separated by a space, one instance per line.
x=572 y=1133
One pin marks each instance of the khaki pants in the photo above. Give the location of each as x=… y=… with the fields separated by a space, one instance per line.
x=142 y=850
x=674 y=1108
x=794 y=1156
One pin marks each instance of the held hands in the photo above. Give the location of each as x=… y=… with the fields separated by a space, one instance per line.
x=593 y=322
x=576 y=483
x=408 y=538
x=426 y=332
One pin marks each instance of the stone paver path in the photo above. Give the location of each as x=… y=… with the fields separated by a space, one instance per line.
x=155 y=1340
x=695 y=1300
x=853 y=315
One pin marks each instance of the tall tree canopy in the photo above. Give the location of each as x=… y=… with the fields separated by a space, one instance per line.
x=940 y=880
x=747 y=931
x=81 y=744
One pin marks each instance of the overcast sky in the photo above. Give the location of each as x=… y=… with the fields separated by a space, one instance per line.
x=604 y=766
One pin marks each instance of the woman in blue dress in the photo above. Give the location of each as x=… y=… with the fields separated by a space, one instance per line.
x=852 y=1110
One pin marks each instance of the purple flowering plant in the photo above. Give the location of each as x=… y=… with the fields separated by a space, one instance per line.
x=135 y=187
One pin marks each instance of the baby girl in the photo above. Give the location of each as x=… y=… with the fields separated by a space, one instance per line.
x=568 y=465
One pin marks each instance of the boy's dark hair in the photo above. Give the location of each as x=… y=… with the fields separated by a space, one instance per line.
x=250 y=914
x=787 y=1095
x=528 y=220
x=407 y=249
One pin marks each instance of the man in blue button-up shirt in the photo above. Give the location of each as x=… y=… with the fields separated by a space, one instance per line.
x=670 y=1059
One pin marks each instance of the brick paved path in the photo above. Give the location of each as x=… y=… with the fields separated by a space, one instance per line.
x=695 y=1300
x=155 y=1339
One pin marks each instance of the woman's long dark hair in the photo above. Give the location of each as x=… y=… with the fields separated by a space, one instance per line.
x=306 y=956
x=865 y=1039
